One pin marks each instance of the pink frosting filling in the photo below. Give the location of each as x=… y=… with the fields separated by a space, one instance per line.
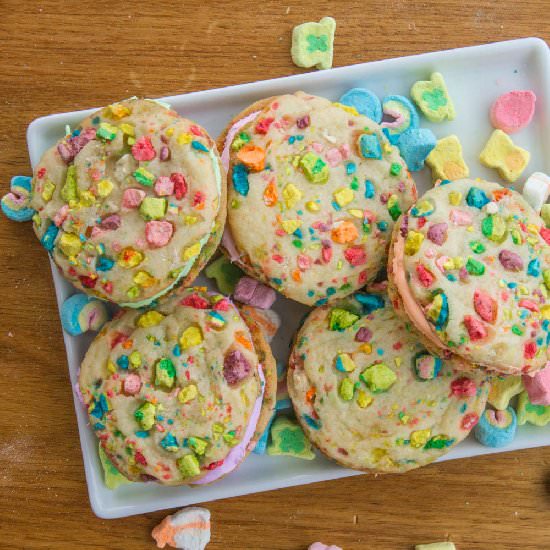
x=231 y=135
x=227 y=239
x=413 y=310
x=236 y=454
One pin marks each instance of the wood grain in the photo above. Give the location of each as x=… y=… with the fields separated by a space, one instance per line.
x=60 y=56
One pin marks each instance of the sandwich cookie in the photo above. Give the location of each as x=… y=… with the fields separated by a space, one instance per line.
x=314 y=191
x=131 y=203
x=370 y=396
x=470 y=268
x=179 y=394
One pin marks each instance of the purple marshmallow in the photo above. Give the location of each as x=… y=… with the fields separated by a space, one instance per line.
x=251 y=292
x=235 y=367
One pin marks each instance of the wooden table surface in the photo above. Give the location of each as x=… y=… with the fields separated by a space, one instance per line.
x=67 y=55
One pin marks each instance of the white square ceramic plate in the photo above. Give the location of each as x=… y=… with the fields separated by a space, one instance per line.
x=475 y=77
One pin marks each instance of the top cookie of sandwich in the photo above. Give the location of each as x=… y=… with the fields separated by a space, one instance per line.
x=129 y=202
x=313 y=191
x=470 y=267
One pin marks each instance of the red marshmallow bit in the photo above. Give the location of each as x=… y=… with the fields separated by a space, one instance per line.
x=469 y=421
x=143 y=149
x=476 y=329
x=463 y=387
x=529 y=349
x=355 y=255
x=140 y=459
x=545 y=234
x=263 y=125
x=195 y=301
x=180 y=185
x=195 y=130
x=425 y=276
x=88 y=281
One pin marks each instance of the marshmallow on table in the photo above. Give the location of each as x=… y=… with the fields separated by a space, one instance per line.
x=415 y=145
x=432 y=98
x=537 y=190
x=15 y=204
x=513 y=111
x=288 y=439
x=364 y=102
x=404 y=116
x=538 y=387
x=538 y=415
x=251 y=292
x=321 y=546
x=501 y=153
x=225 y=273
x=112 y=477
x=188 y=529
x=446 y=160
x=81 y=313
x=312 y=44
x=503 y=389
x=496 y=428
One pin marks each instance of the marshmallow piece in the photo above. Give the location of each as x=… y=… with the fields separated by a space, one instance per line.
x=288 y=439
x=503 y=389
x=436 y=546
x=112 y=477
x=501 y=153
x=312 y=44
x=158 y=233
x=132 y=198
x=251 y=292
x=225 y=273
x=15 y=204
x=537 y=190
x=538 y=415
x=446 y=161
x=188 y=529
x=538 y=387
x=404 y=116
x=496 y=428
x=321 y=546
x=267 y=320
x=415 y=145
x=433 y=99
x=513 y=111
x=364 y=102
x=81 y=313
x=261 y=445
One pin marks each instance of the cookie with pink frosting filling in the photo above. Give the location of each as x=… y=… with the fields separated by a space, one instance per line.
x=371 y=396
x=131 y=203
x=470 y=268
x=314 y=189
x=181 y=393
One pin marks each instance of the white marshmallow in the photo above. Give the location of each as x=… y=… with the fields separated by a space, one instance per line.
x=537 y=190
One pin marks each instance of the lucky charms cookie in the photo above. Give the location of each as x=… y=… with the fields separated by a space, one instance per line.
x=131 y=203
x=368 y=393
x=179 y=394
x=314 y=191
x=470 y=268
